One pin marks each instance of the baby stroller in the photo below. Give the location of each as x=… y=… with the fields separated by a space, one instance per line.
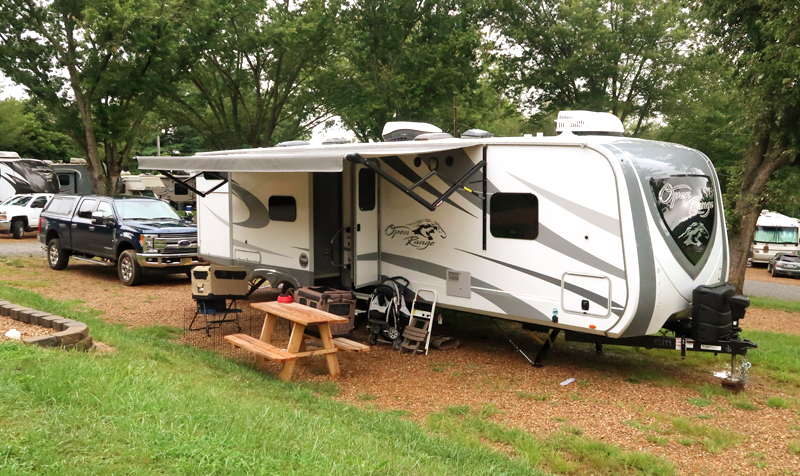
x=388 y=314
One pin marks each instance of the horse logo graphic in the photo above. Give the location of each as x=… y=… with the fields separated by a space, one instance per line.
x=694 y=234
x=421 y=234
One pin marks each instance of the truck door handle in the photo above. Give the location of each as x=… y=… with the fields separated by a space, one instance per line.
x=74 y=225
x=358 y=227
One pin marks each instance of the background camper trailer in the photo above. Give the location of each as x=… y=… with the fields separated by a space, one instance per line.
x=74 y=177
x=608 y=238
x=25 y=176
x=774 y=233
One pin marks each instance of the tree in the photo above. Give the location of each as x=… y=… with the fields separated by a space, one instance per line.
x=409 y=61
x=27 y=129
x=759 y=40
x=621 y=56
x=97 y=66
x=250 y=84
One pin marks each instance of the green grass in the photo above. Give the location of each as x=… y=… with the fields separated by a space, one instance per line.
x=777 y=402
x=776 y=304
x=540 y=397
x=564 y=451
x=714 y=440
x=794 y=447
x=153 y=406
x=700 y=402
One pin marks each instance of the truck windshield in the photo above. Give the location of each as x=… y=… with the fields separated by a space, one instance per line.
x=775 y=234
x=19 y=201
x=146 y=210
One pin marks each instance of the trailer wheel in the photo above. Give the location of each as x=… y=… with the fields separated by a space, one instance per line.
x=57 y=257
x=397 y=343
x=17 y=229
x=372 y=339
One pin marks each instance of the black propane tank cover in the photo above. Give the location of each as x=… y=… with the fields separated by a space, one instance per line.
x=739 y=305
x=715 y=296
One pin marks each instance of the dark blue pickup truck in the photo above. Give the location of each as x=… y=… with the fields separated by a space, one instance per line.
x=132 y=233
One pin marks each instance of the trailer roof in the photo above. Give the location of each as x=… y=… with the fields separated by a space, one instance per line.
x=322 y=158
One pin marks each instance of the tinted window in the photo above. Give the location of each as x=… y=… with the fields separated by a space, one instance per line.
x=61 y=206
x=39 y=202
x=86 y=208
x=514 y=215
x=181 y=189
x=282 y=208
x=366 y=190
x=790 y=258
x=63 y=179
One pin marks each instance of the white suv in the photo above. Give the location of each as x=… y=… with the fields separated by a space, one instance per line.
x=20 y=213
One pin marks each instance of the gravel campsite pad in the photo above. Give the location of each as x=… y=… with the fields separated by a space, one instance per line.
x=612 y=397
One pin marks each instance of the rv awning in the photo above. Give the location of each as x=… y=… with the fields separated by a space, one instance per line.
x=326 y=158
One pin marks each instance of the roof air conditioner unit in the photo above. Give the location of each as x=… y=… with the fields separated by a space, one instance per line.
x=335 y=141
x=476 y=134
x=400 y=131
x=589 y=123
x=434 y=136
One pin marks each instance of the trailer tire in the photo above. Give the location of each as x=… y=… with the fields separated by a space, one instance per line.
x=130 y=273
x=17 y=228
x=57 y=257
x=372 y=339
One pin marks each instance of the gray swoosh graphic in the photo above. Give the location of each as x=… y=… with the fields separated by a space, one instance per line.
x=594 y=297
x=509 y=303
x=555 y=242
x=258 y=214
x=599 y=220
x=397 y=164
x=243 y=245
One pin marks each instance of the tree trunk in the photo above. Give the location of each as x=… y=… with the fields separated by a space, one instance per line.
x=762 y=160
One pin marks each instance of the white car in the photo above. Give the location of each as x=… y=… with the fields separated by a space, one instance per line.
x=20 y=213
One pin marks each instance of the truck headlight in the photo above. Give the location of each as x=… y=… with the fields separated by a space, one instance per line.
x=148 y=242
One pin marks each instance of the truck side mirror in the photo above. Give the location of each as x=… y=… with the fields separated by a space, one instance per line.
x=97 y=218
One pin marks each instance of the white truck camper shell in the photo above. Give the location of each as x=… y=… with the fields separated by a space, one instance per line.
x=602 y=236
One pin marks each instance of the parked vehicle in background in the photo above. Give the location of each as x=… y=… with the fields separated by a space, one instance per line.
x=775 y=233
x=135 y=234
x=21 y=213
x=142 y=185
x=784 y=264
x=20 y=176
x=74 y=177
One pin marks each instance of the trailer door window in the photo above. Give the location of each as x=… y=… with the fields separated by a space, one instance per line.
x=282 y=208
x=514 y=215
x=366 y=190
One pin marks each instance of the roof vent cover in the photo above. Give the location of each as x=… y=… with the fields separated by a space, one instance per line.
x=400 y=131
x=589 y=123
x=476 y=134
x=293 y=143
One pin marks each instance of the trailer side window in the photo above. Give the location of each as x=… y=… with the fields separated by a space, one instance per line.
x=514 y=215
x=282 y=208
x=366 y=190
x=181 y=189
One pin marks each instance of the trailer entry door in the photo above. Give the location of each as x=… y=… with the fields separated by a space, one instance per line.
x=365 y=244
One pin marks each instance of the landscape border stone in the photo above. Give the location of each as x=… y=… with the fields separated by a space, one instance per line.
x=71 y=334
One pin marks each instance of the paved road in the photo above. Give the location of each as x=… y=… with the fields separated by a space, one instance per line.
x=24 y=247
x=785 y=292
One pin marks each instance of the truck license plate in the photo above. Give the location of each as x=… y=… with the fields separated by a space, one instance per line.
x=186 y=261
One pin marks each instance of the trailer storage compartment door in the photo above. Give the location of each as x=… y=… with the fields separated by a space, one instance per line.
x=574 y=290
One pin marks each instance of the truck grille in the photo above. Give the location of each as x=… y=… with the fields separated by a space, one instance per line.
x=176 y=243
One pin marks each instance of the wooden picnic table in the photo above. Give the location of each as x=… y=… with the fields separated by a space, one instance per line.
x=301 y=316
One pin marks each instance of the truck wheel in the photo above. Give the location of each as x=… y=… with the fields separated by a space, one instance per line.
x=17 y=229
x=57 y=257
x=130 y=273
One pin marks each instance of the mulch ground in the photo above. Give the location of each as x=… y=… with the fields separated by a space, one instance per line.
x=486 y=369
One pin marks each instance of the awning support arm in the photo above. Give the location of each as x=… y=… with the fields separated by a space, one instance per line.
x=185 y=183
x=358 y=159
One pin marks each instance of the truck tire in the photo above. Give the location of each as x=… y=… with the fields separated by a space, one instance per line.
x=17 y=229
x=57 y=257
x=130 y=273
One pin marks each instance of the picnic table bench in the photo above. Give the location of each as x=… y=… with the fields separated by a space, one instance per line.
x=300 y=316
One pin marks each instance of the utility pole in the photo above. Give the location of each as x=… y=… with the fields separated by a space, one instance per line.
x=455 y=115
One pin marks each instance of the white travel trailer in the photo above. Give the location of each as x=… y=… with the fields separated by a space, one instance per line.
x=19 y=176
x=608 y=238
x=775 y=233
